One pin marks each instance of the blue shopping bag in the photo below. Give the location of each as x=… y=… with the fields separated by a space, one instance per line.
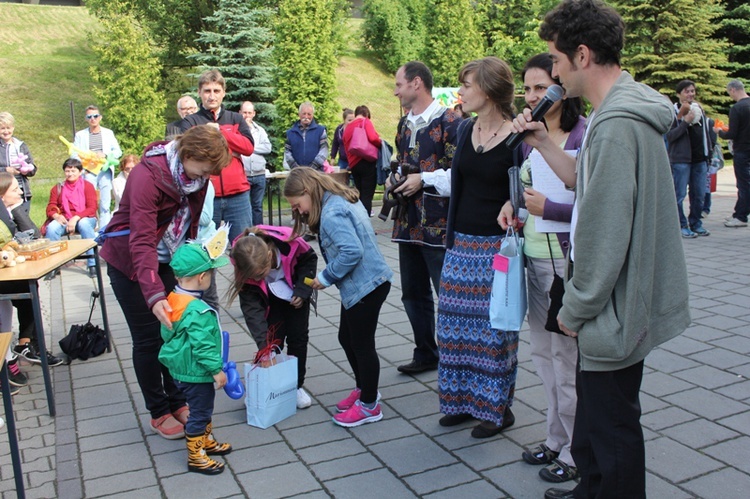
x=271 y=392
x=508 y=301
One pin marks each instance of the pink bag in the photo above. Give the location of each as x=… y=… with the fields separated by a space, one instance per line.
x=361 y=145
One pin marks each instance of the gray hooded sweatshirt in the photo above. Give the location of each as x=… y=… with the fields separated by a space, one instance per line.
x=628 y=291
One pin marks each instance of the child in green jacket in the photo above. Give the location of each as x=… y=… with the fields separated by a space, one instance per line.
x=192 y=352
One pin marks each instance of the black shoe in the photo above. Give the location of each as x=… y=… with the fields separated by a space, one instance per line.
x=309 y=237
x=28 y=352
x=52 y=275
x=558 y=472
x=15 y=376
x=454 y=419
x=416 y=366
x=541 y=454
x=52 y=360
x=485 y=429
x=558 y=494
x=91 y=271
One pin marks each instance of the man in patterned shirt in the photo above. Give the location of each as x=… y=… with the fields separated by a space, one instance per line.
x=425 y=150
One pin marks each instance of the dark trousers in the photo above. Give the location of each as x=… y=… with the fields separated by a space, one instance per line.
x=25 y=310
x=607 y=445
x=157 y=386
x=742 y=175
x=420 y=265
x=365 y=180
x=291 y=326
x=200 y=397
x=357 y=337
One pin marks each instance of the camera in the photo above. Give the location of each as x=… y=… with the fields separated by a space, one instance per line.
x=392 y=199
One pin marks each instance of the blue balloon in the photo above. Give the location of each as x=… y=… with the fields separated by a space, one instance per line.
x=234 y=387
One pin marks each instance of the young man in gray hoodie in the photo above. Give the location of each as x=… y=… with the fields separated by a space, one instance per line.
x=627 y=287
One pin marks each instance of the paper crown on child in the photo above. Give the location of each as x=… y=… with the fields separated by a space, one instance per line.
x=193 y=258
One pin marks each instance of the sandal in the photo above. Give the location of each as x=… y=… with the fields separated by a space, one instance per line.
x=182 y=414
x=558 y=472
x=168 y=427
x=541 y=454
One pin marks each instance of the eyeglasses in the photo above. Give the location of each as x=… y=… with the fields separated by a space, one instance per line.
x=191 y=108
x=91 y=116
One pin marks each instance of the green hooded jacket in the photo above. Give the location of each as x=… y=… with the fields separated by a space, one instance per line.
x=628 y=290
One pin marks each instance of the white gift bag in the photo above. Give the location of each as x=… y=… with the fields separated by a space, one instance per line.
x=271 y=391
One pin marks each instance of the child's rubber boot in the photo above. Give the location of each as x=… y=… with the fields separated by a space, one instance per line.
x=211 y=446
x=198 y=461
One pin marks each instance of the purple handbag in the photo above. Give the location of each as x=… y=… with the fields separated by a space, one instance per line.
x=361 y=146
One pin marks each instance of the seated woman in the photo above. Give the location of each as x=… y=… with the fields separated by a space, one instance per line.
x=72 y=208
x=10 y=195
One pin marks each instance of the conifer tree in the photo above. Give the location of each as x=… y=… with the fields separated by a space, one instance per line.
x=735 y=28
x=671 y=40
x=239 y=43
x=126 y=78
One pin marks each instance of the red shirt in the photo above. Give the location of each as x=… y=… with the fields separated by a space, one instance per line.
x=372 y=136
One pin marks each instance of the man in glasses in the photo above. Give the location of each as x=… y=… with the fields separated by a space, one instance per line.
x=186 y=106
x=101 y=141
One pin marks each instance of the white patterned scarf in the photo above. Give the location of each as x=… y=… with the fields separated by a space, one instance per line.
x=185 y=186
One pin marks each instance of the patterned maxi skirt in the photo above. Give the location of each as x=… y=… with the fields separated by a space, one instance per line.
x=478 y=364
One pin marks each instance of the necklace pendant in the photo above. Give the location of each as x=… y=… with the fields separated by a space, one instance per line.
x=480 y=149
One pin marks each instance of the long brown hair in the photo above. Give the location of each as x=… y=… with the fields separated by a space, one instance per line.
x=304 y=180
x=251 y=256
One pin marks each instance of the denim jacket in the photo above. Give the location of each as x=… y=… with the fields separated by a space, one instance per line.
x=348 y=244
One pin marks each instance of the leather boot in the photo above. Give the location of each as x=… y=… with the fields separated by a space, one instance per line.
x=198 y=461
x=211 y=446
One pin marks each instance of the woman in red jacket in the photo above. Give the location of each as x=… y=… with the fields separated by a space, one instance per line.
x=363 y=170
x=159 y=210
x=72 y=208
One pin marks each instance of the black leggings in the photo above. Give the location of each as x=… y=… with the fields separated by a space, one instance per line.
x=357 y=337
x=365 y=178
x=157 y=386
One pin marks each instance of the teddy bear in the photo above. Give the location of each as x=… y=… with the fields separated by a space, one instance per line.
x=9 y=256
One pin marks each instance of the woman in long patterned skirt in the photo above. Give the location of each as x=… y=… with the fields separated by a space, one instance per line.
x=478 y=364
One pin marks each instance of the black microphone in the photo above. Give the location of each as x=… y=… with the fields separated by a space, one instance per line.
x=554 y=94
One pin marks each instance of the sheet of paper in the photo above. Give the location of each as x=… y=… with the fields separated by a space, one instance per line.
x=281 y=289
x=545 y=181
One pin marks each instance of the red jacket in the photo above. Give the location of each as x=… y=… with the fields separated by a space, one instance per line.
x=234 y=128
x=55 y=205
x=372 y=136
x=147 y=206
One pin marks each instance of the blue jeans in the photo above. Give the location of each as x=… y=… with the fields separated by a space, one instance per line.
x=257 y=191
x=86 y=227
x=103 y=184
x=742 y=174
x=200 y=398
x=419 y=265
x=694 y=176
x=233 y=210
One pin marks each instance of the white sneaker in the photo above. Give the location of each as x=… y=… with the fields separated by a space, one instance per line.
x=733 y=222
x=2 y=422
x=303 y=399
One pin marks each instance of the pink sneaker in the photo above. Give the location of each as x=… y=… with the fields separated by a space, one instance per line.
x=357 y=415
x=346 y=403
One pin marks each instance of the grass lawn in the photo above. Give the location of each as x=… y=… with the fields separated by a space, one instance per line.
x=361 y=80
x=46 y=61
x=45 y=66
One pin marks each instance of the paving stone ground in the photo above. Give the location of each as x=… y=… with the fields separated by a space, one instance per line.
x=695 y=398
